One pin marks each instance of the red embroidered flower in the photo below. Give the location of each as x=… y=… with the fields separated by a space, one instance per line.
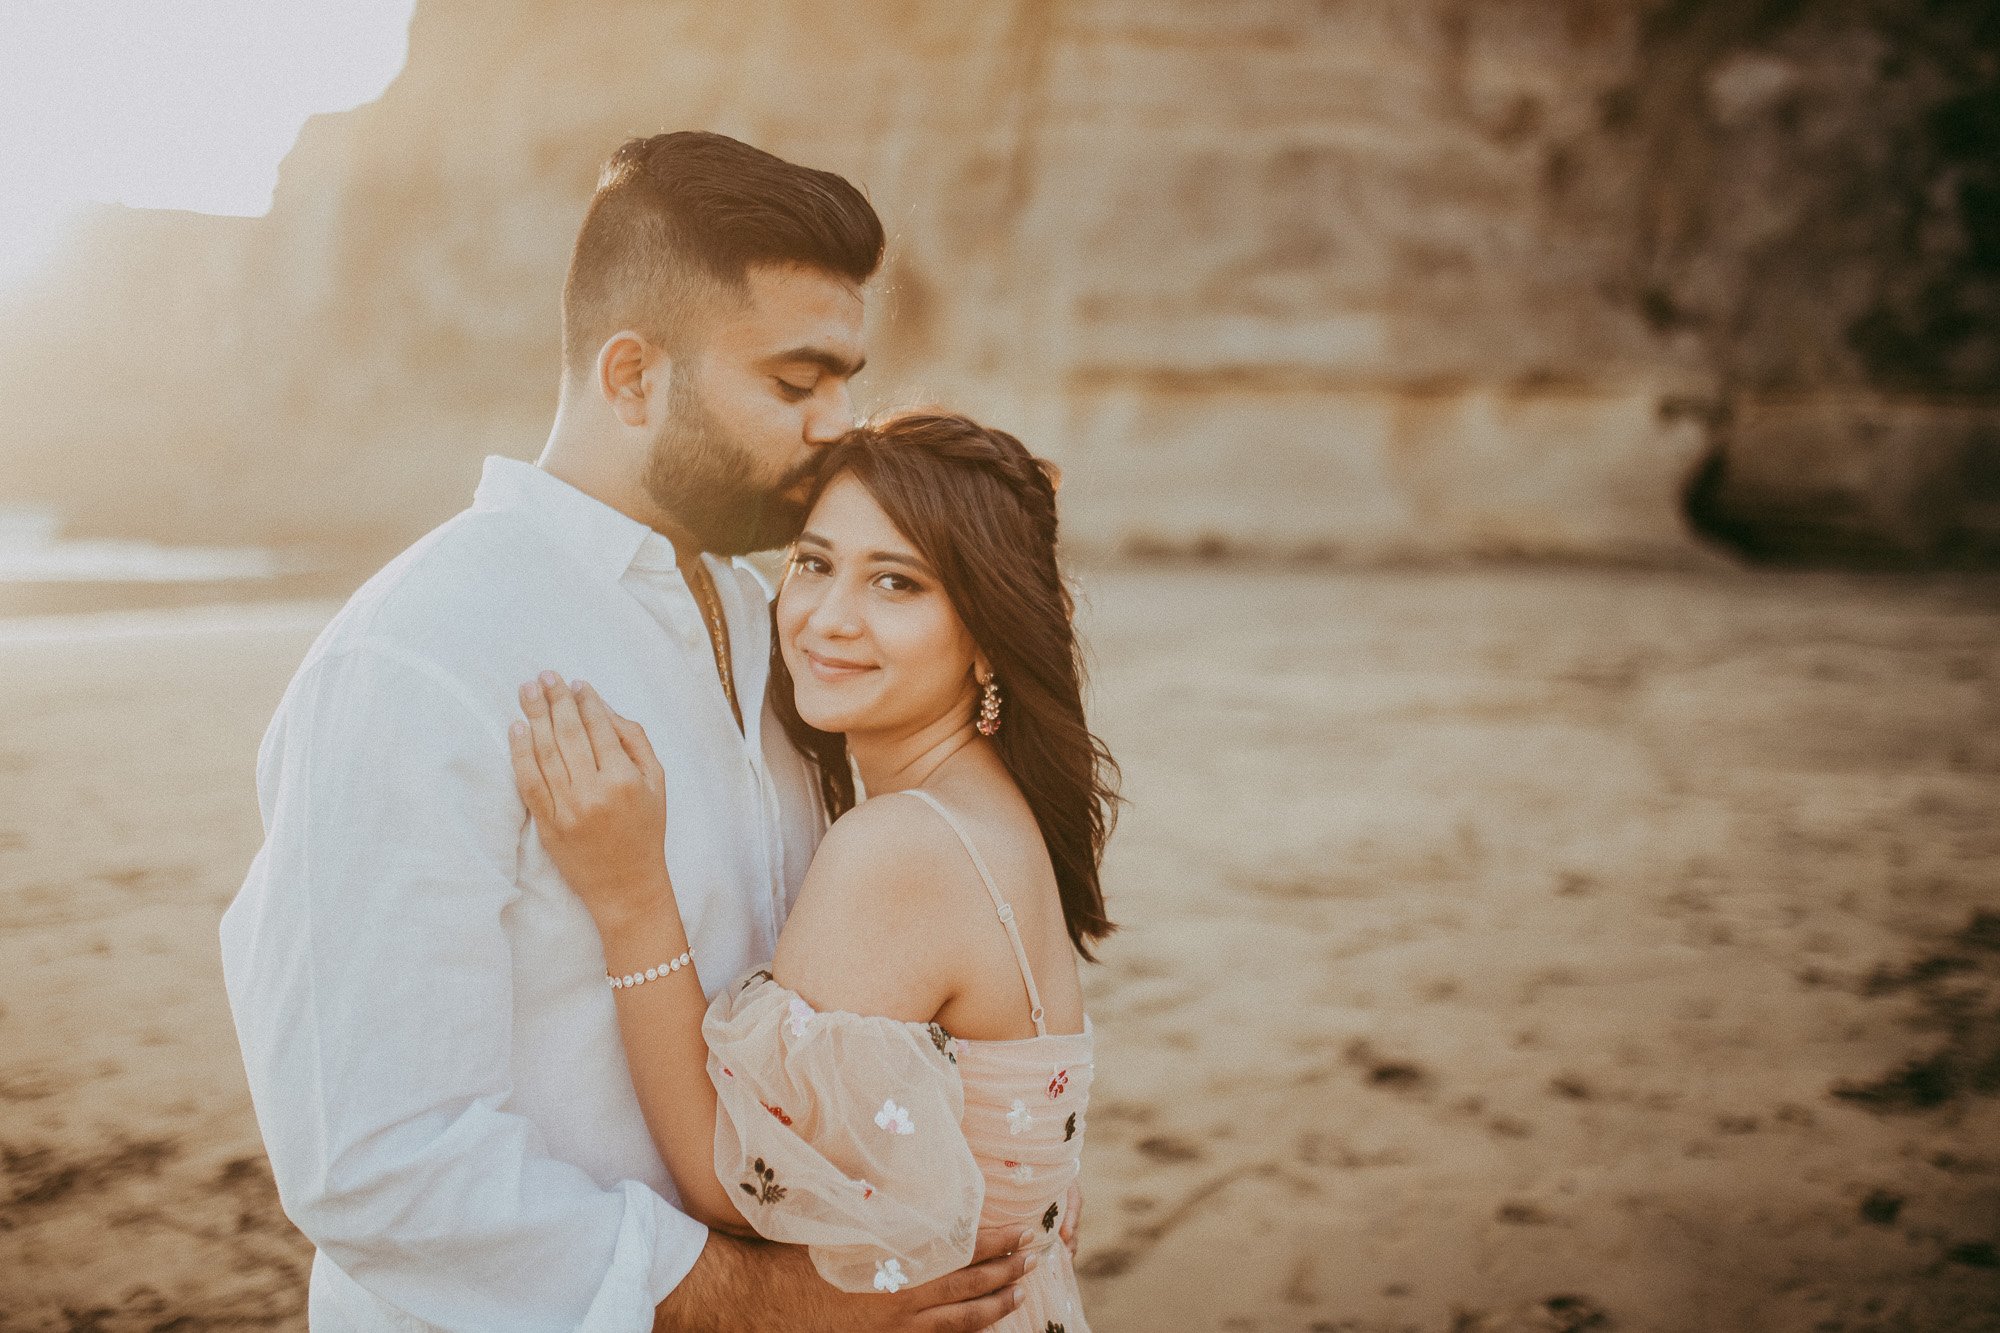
x=727 y=1072
x=777 y=1111
x=1058 y=1083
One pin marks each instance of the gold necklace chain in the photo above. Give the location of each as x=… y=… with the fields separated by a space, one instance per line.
x=718 y=634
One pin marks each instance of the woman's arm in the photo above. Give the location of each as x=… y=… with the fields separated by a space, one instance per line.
x=592 y=782
x=871 y=933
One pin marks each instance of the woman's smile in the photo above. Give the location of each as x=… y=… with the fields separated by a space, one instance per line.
x=833 y=669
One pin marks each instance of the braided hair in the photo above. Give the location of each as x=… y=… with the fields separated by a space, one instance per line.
x=982 y=510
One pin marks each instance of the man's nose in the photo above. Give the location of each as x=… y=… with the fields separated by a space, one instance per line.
x=831 y=416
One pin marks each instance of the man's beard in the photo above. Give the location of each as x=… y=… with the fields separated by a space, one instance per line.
x=704 y=480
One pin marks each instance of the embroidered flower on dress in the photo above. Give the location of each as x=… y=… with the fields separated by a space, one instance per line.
x=777 y=1111
x=802 y=1017
x=890 y=1277
x=763 y=1186
x=867 y=1190
x=1018 y=1119
x=1069 y=1127
x=1022 y=1172
x=1049 y=1218
x=946 y=1043
x=894 y=1118
x=1058 y=1083
x=1054 y=1327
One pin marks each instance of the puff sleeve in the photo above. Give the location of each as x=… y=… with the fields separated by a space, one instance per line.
x=841 y=1132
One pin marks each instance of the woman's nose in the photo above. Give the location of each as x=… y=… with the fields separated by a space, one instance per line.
x=834 y=617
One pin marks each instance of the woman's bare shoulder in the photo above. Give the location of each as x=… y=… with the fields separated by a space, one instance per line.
x=890 y=845
x=877 y=926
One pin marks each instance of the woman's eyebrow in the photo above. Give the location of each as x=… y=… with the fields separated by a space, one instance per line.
x=879 y=557
x=893 y=558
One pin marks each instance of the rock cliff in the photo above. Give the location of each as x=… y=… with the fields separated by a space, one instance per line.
x=1369 y=278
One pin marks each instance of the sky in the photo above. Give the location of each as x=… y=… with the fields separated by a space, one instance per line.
x=187 y=104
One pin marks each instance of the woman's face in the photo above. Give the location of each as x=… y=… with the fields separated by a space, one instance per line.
x=868 y=633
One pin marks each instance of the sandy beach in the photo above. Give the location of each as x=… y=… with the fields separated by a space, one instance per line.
x=1518 y=948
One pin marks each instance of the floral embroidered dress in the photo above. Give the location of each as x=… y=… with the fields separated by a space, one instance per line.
x=884 y=1145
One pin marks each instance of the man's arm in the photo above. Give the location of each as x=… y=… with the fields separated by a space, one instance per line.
x=371 y=980
x=738 y=1284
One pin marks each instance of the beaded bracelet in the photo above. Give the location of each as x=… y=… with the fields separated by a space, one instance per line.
x=652 y=973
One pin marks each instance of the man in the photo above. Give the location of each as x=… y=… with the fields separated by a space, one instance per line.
x=429 y=1036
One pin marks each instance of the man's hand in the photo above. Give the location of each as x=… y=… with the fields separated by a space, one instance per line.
x=739 y=1285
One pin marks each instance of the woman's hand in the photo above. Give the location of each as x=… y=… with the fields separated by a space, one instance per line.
x=590 y=779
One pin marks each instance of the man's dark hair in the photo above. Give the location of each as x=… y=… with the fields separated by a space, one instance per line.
x=678 y=218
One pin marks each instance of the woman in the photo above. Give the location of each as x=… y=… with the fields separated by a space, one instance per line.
x=915 y=1063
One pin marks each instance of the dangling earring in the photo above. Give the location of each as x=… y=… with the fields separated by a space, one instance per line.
x=989 y=707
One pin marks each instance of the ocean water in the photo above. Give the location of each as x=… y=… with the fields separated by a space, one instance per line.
x=33 y=550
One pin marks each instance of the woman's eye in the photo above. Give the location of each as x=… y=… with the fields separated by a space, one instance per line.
x=794 y=392
x=808 y=564
x=895 y=583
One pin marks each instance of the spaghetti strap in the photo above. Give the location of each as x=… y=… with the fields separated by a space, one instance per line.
x=1004 y=908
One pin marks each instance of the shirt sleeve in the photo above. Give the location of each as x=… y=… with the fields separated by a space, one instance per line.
x=842 y=1132
x=370 y=977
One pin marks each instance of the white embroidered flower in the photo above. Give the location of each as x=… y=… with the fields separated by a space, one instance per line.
x=802 y=1017
x=894 y=1118
x=890 y=1277
x=866 y=1190
x=1018 y=1119
x=1023 y=1173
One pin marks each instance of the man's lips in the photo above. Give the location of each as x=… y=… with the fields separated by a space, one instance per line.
x=833 y=668
x=794 y=486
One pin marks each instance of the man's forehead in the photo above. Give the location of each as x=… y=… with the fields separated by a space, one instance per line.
x=800 y=286
x=793 y=305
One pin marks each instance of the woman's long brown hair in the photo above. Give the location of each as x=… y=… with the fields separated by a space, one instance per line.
x=982 y=510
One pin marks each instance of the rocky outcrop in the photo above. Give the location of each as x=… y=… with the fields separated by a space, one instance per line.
x=1372 y=278
x=1824 y=183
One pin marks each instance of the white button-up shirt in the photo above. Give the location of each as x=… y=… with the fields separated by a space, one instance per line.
x=430 y=1041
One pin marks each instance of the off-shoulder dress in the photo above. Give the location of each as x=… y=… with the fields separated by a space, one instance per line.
x=884 y=1145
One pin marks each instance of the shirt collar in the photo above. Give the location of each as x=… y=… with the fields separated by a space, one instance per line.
x=608 y=540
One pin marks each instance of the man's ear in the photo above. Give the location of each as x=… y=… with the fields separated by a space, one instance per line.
x=626 y=366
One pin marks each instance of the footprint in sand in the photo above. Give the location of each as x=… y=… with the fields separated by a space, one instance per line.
x=1167 y=1148
x=42 y=1175
x=1385 y=1072
x=1881 y=1207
